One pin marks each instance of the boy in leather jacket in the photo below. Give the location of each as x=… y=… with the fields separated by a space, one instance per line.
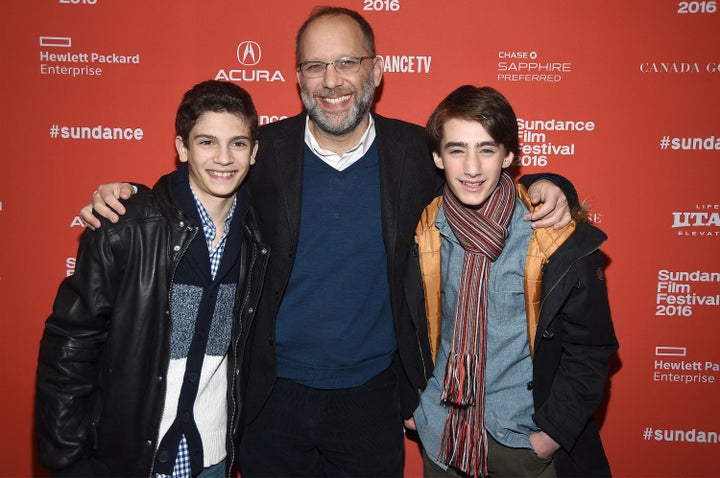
x=137 y=363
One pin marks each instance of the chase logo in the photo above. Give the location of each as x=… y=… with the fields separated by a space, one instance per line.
x=249 y=53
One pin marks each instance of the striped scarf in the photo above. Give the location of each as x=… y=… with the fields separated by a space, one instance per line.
x=482 y=234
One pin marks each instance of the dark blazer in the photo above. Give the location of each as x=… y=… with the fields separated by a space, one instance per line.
x=408 y=181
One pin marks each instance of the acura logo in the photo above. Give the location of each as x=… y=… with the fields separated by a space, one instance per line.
x=249 y=53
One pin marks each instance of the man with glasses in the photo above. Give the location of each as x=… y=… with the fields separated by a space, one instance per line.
x=337 y=193
x=332 y=368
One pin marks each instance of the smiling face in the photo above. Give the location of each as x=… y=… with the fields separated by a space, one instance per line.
x=337 y=104
x=472 y=161
x=219 y=153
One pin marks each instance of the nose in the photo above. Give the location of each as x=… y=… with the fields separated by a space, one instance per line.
x=224 y=156
x=472 y=166
x=331 y=77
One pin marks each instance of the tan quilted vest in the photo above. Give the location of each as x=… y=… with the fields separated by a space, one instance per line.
x=543 y=243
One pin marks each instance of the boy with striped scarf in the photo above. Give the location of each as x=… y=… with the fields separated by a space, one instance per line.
x=518 y=321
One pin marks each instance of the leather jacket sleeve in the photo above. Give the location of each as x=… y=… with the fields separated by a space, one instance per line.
x=70 y=350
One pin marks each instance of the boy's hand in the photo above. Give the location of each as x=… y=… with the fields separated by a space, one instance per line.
x=410 y=423
x=543 y=444
x=553 y=211
x=105 y=202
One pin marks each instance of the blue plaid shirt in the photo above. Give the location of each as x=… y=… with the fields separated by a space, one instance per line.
x=209 y=230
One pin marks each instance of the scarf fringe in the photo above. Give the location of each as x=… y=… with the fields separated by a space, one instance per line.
x=464 y=442
x=460 y=387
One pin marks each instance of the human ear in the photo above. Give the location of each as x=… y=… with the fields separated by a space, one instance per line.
x=254 y=152
x=377 y=70
x=507 y=161
x=181 y=149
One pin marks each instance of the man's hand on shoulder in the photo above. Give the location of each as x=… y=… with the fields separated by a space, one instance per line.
x=106 y=202
x=553 y=211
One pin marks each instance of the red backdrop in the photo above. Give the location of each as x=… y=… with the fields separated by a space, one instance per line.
x=622 y=97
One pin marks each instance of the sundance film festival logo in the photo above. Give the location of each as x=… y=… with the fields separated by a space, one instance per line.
x=249 y=54
x=704 y=221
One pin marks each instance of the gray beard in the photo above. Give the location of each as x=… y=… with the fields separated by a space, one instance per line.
x=355 y=116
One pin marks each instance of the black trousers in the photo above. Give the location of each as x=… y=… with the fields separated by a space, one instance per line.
x=303 y=431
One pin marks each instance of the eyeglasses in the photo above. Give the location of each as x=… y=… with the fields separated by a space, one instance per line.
x=344 y=66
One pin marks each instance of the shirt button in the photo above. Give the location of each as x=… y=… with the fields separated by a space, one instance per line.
x=176 y=248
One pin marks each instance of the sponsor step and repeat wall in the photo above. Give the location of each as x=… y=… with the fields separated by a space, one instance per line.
x=621 y=97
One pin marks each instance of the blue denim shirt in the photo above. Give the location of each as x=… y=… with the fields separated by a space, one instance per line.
x=508 y=367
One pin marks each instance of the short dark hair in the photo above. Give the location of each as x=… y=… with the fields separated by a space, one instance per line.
x=216 y=96
x=324 y=11
x=484 y=105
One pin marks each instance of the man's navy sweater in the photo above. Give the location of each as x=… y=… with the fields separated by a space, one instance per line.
x=334 y=327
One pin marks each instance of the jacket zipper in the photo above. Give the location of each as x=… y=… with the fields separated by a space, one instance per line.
x=246 y=298
x=416 y=255
x=193 y=230
x=231 y=418
x=565 y=272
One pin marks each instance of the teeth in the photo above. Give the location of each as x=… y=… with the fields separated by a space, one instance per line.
x=222 y=174
x=335 y=101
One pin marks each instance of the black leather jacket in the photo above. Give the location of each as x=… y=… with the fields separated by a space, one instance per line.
x=105 y=351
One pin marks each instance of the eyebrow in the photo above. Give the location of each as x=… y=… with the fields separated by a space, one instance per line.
x=462 y=144
x=212 y=136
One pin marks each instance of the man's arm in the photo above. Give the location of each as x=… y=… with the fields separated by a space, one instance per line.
x=106 y=202
x=554 y=211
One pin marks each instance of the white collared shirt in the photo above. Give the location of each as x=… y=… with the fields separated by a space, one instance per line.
x=347 y=159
